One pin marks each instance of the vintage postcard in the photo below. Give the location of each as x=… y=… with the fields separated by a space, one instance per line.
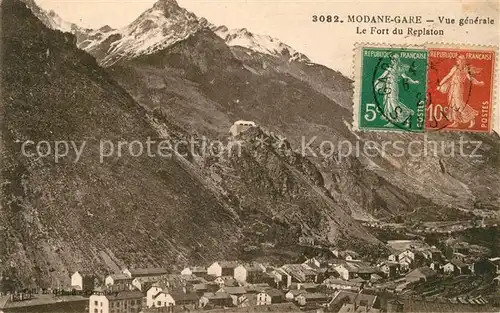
x=170 y=156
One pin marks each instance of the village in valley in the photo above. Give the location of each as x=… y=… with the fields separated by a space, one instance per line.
x=415 y=277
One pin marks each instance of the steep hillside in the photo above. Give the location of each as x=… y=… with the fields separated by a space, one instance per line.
x=61 y=217
x=58 y=217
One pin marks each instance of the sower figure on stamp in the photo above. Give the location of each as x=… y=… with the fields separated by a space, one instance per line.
x=388 y=84
x=453 y=84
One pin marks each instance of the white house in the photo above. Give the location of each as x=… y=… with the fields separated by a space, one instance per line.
x=163 y=299
x=248 y=273
x=393 y=258
x=77 y=280
x=343 y=271
x=405 y=262
x=223 y=268
x=435 y=266
x=82 y=281
x=270 y=296
x=240 y=273
x=282 y=278
x=448 y=268
x=151 y=294
x=98 y=303
x=215 y=269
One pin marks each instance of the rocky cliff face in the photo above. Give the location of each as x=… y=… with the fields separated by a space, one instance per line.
x=129 y=210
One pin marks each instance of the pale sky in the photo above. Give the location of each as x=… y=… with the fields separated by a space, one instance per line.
x=330 y=44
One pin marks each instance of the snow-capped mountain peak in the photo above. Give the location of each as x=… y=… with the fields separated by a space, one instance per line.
x=164 y=24
x=50 y=18
x=259 y=43
x=157 y=28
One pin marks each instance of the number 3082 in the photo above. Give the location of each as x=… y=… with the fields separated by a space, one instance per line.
x=325 y=18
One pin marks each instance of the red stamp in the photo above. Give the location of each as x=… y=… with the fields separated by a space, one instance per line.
x=460 y=88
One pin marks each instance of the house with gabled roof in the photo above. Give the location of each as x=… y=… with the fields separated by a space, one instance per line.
x=292 y=294
x=270 y=296
x=248 y=273
x=421 y=274
x=185 y=299
x=460 y=267
x=115 y=279
x=198 y=271
x=151 y=294
x=222 y=268
x=236 y=294
x=163 y=299
x=390 y=269
x=299 y=273
x=217 y=299
x=393 y=257
x=144 y=283
x=405 y=262
x=316 y=262
x=145 y=272
x=282 y=278
x=83 y=280
x=309 y=298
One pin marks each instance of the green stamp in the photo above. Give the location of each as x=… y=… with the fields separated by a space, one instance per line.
x=392 y=89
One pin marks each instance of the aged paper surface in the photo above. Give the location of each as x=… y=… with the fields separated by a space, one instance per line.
x=249 y=156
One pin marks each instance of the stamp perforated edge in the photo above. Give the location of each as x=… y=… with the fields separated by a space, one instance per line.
x=357 y=71
x=494 y=80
